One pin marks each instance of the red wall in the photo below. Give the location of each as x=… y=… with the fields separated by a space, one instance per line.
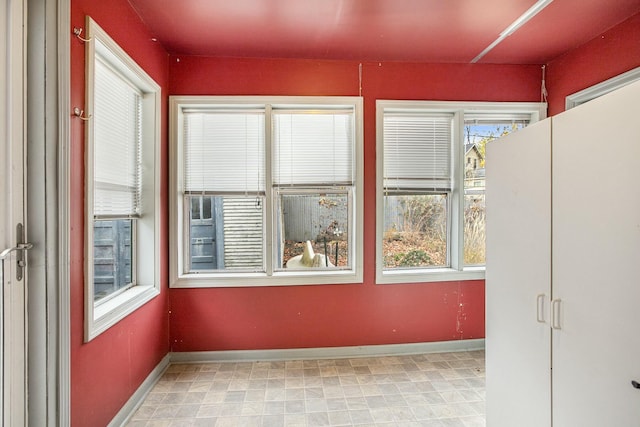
x=106 y=371
x=338 y=315
x=614 y=52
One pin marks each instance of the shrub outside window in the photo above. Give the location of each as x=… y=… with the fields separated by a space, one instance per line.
x=267 y=191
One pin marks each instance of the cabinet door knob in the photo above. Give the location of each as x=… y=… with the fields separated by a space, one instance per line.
x=540 y=308
x=555 y=313
x=635 y=384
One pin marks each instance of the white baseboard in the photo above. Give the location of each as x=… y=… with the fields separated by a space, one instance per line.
x=327 y=352
x=138 y=397
x=140 y=394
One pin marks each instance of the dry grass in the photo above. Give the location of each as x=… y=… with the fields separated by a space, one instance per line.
x=474 y=232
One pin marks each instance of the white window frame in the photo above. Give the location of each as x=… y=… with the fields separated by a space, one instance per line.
x=602 y=88
x=146 y=259
x=455 y=244
x=271 y=277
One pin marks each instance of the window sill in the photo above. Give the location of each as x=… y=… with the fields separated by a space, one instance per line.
x=111 y=312
x=299 y=278
x=429 y=275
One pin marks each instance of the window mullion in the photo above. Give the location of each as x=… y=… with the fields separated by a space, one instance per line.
x=270 y=230
x=134 y=252
x=186 y=235
x=456 y=251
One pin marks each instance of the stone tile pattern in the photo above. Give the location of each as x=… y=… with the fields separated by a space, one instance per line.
x=435 y=389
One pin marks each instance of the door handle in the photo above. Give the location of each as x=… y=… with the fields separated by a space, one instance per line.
x=555 y=313
x=20 y=248
x=540 y=308
x=635 y=384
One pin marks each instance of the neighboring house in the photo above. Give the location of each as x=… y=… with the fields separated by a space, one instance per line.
x=225 y=233
x=473 y=169
x=228 y=233
x=472 y=158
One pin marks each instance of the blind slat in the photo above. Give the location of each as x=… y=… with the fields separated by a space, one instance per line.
x=417 y=151
x=117 y=145
x=313 y=149
x=224 y=151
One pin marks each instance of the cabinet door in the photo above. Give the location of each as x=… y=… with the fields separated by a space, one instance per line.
x=518 y=194
x=596 y=262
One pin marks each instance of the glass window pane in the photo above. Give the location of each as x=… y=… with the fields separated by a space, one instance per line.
x=474 y=227
x=415 y=231
x=206 y=207
x=195 y=207
x=313 y=231
x=113 y=248
x=229 y=235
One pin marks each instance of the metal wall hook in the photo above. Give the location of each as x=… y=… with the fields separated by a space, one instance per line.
x=78 y=33
x=80 y=114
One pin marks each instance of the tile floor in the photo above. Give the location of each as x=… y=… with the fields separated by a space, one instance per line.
x=435 y=389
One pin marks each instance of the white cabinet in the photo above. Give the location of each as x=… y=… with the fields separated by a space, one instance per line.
x=563 y=269
x=517 y=278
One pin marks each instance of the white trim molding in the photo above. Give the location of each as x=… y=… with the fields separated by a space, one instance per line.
x=328 y=352
x=268 y=275
x=602 y=88
x=137 y=399
x=47 y=189
x=63 y=373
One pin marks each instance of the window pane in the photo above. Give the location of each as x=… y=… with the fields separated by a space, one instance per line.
x=474 y=227
x=320 y=219
x=206 y=207
x=195 y=207
x=477 y=134
x=112 y=246
x=229 y=235
x=415 y=231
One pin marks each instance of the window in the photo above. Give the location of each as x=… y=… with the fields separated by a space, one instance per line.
x=480 y=129
x=267 y=191
x=602 y=88
x=122 y=137
x=430 y=185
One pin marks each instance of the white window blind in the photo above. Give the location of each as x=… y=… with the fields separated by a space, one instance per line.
x=313 y=148
x=498 y=119
x=417 y=152
x=117 y=136
x=224 y=152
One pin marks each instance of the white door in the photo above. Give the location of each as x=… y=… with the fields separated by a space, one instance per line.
x=518 y=278
x=596 y=262
x=12 y=213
